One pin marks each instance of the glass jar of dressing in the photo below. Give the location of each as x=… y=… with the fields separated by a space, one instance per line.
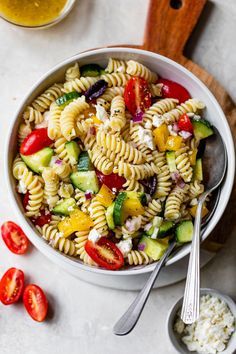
x=35 y=13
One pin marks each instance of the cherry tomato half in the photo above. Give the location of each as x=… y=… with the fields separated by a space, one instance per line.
x=137 y=95
x=11 y=286
x=35 y=141
x=184 y=123
x=35 y=302
x=43 y=219
x=105 y=253
x=172 y=89
x=14 y=237
x=111 y=181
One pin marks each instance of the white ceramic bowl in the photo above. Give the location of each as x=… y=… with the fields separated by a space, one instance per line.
x=131 y=278
x=176 y=341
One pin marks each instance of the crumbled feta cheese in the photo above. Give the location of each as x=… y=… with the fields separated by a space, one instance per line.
x=134 y=224
x=21 y=187
x=211 y=332
x=125 y=246
x=157 y=120
x=185 y=134
x=193 y=202
x=171 y=130
x=146 y=137
x=190 y=114
x=60 y=234
x=94 y=235
x=114 y=190
x=148 y=125
x=101 y=113
x=53 y=160
x=121 y=69
x=70 y=208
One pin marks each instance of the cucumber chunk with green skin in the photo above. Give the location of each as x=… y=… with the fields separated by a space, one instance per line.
x=73 y=151
x=184 y=231
x=137 y=195
x=91 y=70
x=166 y=228
x=85 y=181
x=67 y=98
x=109 y=216
x=198 y=171
x=65 y=207
x=153 y=248
x=118 y=213
x=170 y=158
x=201 y=128
x=85 y=163
x=37 y=161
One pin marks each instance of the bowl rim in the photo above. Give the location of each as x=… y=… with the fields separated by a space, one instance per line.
x=176 y=306
x=39 y=242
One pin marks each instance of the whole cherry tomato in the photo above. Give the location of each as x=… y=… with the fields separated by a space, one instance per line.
x=111 y=181
x=172 y=89
x=35 y=141
x=137 y=96
x=14 y=237
x=11 y=286
x=35 y=302
x=184 y=123
x=105 y=253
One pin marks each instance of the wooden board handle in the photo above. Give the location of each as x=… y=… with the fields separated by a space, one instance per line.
x=169 y=25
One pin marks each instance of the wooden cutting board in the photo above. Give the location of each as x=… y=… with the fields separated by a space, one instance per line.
x=168 y=28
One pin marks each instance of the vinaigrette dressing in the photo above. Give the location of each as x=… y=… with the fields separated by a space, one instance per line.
x=31 y=13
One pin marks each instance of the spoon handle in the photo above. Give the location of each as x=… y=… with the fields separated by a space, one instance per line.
x=127 y=322
x=190 y=308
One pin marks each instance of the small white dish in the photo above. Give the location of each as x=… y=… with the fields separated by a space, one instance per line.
x=179 y=346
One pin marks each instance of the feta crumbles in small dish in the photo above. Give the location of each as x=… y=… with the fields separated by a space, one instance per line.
x=211 y=332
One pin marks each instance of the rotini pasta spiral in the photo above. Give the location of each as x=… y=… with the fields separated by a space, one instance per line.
x=135 y=258
x=164 y=181
x=135 y=138
x=116 y=66
x=60 y=149
x=68 y=117
x=190 y=106
x=100 y=161
x=136 y=69
x=152 y=209
x=97 y=213
x=116 y=79
x=80 y=240
x=48 y=231
x=195 y=189
x=158 y=108
x=183 y=164
x=133 y=185
x=156 y=89
x=51 y=186
x=174 y=202
x=66 y=190
x=105 y=99
x=117 y=117
x=72 y=72
x=54 y=128
x=63 y=245
x=43 y=102
x=82 y=201
x=62 y=169
x=79 y=85
x=32 y=115
x=23 y=132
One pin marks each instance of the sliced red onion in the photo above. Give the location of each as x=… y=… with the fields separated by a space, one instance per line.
x=185 y=135
x=92 y=130
x=181 y=183
x=96 y=90
x=175 y=176
x=59 y=162
x=147 y=226
x=138 y=117
x=88 y=195
x=141 y=246
x=175 y=127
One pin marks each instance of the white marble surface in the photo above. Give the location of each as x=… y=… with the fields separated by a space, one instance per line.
x=82 y=315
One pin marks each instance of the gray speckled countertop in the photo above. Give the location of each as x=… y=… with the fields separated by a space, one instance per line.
x=83 y=314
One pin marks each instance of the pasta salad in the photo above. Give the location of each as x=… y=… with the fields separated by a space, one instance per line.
x=109 y=163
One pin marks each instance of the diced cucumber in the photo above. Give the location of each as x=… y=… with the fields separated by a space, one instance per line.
x=201 y=128
x=184 y=231
x=118 y=213
x=170 y=158
x=65 y=207
x=109 y=216
x=153 y=248
x=85 y=163
x=137 y=195
x=91 y=70
x=85 y=181
x=37 y=161
x=67 y=98
x=166 y=228
x=198 y=171
x=73 y=151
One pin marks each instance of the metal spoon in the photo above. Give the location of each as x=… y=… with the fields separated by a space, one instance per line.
x=214 y=162
x=128 y=321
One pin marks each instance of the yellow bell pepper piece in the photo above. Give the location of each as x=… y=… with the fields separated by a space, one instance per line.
x=133 y=207
x=105 y=196
x=192 y=157
x=96 y=120
x=174 y=143
x=193 y=210
x=77 y=221
x=160 y=135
